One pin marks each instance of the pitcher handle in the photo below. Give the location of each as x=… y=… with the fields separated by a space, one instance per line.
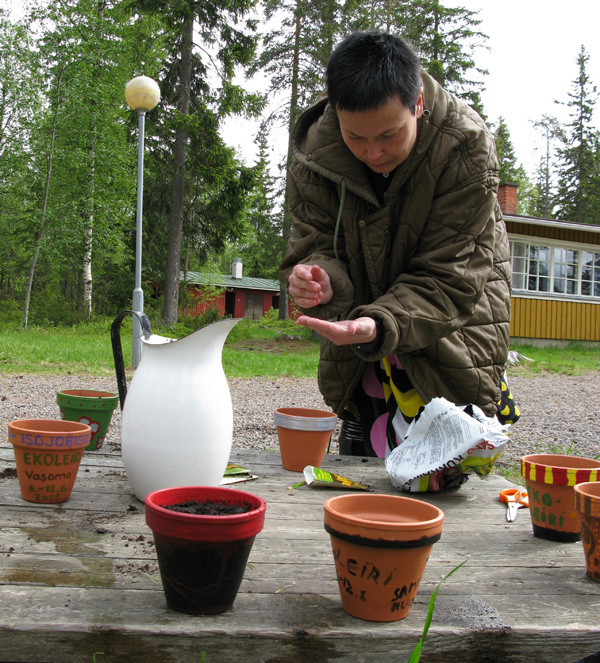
x=115 y=337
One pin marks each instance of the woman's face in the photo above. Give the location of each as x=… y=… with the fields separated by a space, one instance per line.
x=381 y=138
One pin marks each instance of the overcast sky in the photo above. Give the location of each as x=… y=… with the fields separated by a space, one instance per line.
x=533 y=48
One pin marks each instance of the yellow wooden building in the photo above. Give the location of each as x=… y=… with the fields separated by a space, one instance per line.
x=556 y=276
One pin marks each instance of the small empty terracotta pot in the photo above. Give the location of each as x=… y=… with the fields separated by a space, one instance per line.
x=587 y=503
x=48 y=453
x=550 y=479
x=304 y=434
x=381 y=544
x=90 y=407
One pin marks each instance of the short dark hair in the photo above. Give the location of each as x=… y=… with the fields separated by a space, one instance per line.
x=368 y=68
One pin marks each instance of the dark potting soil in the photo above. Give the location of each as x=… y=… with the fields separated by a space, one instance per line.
x=201 y=578
x=210 y=508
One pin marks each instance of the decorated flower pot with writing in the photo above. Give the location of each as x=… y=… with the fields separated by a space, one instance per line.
x=303 y=434
x=550 y=479
x=202 y=558
x=48 y=453
x=94 y=408
x=381 y=544
x=587 y=503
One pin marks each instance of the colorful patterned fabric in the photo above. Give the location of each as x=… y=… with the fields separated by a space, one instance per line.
x=508 y=412
x=385 y=404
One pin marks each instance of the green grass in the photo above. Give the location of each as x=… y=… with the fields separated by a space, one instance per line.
x=572 y=359
x=58 y=351
x=253 y=349
x=266 y=348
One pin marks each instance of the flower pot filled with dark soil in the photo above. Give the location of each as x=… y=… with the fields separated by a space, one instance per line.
x=203 y=537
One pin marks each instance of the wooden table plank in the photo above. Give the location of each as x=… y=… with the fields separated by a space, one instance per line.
x=82 y=577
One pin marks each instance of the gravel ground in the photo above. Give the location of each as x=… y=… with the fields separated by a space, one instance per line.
x=557 y=411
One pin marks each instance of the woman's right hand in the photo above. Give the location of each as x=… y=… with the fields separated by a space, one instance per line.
x=310 y=285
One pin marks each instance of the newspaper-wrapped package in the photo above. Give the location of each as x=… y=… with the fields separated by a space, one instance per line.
x=446 y=438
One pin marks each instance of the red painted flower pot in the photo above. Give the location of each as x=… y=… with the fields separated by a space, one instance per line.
x=48 y=453
x=381 y=544
x=90 y=407
x=303 y=434
x=202 y=558
x=550 y=479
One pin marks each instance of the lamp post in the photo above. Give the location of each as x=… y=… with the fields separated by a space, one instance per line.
x=141 y=94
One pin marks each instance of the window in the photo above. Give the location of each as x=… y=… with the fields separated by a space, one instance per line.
x=556 y=270
x=590 y=274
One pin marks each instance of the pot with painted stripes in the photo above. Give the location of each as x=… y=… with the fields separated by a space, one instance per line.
x=380 y=544
x=550 y=480
x=587 y=503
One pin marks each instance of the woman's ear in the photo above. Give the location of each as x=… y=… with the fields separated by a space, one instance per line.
x=419 y=105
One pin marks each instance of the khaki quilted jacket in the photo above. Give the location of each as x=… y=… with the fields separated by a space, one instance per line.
x=432 y=263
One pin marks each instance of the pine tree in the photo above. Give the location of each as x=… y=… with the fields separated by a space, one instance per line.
x=578 y=195
x=262 y=247
x=511 y=172
x=551 y=133
x=445 y=38
x=205 y=43
x=294 y=57
x=509 y=169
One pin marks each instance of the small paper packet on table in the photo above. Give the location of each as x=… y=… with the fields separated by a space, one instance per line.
x=318 y=477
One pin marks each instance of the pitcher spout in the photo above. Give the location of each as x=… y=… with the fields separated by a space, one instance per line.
x=208 y=341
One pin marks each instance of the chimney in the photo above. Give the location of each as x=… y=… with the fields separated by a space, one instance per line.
x=507 y=198
x=236 y=268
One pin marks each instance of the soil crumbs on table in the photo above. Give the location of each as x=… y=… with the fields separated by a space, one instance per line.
x=209 y=508
x=8 y=473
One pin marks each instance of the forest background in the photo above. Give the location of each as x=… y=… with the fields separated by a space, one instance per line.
x=68 y=141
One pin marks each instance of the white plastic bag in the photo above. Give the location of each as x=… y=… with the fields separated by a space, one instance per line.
x=445 y=437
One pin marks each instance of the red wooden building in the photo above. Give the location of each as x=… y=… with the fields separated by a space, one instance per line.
x=232 y=294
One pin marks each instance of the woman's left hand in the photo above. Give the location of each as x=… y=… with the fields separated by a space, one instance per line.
x=342 y=332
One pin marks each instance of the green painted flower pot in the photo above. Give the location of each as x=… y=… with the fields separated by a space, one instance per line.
x=90 y=407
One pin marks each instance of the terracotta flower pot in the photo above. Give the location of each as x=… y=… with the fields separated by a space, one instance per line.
x=304 y=434
x=90 y=407
x=587 y=503
x=47 y=453
x=550 y=479
x=202 y=558
x=381 y=544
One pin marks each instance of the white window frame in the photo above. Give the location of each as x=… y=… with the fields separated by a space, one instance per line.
x=555 y=271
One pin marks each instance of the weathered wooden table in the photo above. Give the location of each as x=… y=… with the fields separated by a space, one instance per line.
x=82 y=578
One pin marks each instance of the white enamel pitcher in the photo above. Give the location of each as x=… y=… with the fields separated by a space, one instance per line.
x=177 y=421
